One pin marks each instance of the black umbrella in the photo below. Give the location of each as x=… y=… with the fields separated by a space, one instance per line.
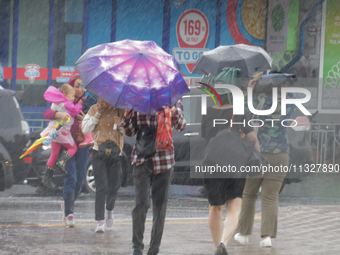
x=250 y=59
x=266 y=82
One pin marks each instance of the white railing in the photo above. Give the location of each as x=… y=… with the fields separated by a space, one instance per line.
x=325 y=142
x=41 y=124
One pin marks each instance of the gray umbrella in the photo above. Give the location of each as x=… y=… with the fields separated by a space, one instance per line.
x=250 y=59
x=266 y=82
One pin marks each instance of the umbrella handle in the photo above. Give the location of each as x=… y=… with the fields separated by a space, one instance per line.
x=129 y=112
x=59 y=125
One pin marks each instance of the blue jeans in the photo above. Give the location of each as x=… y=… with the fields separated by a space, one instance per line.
x=74 y=180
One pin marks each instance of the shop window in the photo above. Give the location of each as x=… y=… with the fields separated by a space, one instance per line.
x=73 y=48
x=33 y=35
x=74 y=10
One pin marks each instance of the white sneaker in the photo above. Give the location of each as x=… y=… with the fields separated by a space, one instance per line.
x=267 y=242
x=100 y=227
x=244 y=240
x=70 y=223
x=109 y=219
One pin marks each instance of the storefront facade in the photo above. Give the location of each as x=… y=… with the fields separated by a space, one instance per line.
x=41 y=40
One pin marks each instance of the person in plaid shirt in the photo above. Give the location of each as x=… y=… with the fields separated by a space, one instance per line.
x=155 y=172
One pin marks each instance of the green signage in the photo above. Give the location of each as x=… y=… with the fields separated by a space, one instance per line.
x=331 y=71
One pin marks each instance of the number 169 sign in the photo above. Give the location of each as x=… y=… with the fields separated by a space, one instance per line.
x=192 y=32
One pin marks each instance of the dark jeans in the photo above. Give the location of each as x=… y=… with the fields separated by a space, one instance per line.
x=143 y=178
x=107 y=178
x=74 y=180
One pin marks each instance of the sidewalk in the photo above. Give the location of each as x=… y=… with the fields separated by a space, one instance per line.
x=302 y=229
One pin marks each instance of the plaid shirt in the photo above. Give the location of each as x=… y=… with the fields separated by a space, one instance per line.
x=163 y=160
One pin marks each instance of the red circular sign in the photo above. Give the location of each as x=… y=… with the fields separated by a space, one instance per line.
x=192 y=29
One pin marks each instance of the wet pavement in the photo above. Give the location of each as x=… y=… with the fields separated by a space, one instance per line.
x=309 y=223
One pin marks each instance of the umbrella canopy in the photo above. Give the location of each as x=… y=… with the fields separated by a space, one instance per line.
x=266 y=82
x=129 y=74
x=40 y=141
x=250 y=59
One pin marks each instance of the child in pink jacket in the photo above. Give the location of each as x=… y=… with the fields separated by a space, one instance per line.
x=62 y=101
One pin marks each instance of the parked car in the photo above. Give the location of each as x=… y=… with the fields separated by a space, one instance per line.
x=6 y=169
x=14 y=132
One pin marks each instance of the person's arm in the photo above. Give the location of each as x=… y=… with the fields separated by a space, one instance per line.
x=178 y=120
x=92 y=118
x=49 y=114
x=89 y=123
x=250 y=133
x=52 y=115
x=252 y=136
x=251 y=85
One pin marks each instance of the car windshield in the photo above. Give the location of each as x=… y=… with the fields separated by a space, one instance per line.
x=192 y=108
x=192 y=113
x=10 y=116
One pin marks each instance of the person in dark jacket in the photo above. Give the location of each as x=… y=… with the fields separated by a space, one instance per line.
x=222 y=191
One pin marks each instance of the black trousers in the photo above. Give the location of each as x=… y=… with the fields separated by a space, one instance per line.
x=107 y=178
x=143 y=178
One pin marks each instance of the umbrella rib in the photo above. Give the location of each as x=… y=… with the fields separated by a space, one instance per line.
x=134 y=66
x=121 y=63
x=162 y=62
x=132 y=45
x=150 y=83
x=127 y=77
x=161 y=74
x=99 y=56
x=165 y=81
x=110 y=68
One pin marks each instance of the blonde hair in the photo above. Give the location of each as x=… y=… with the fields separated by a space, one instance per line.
x=66 y=88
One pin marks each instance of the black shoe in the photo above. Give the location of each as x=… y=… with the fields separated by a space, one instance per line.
x=47 y=179
x=221 y=250
x=137 y=252
x=62 y=161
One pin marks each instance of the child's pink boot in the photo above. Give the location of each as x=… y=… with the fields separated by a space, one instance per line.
x=88 y=141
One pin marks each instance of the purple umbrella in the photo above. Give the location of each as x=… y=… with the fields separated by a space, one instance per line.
x=129 y=74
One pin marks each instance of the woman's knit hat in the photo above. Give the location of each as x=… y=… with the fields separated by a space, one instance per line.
x=73 y=79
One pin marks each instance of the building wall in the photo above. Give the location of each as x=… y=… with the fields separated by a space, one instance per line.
x=53 y=34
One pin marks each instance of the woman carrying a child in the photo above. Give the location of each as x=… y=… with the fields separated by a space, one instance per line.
x=62 y=100
x=76 y=166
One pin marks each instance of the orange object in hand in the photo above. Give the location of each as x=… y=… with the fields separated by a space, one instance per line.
x=164 y=131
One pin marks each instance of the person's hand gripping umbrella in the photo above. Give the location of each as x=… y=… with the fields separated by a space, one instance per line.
x=40 y=141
